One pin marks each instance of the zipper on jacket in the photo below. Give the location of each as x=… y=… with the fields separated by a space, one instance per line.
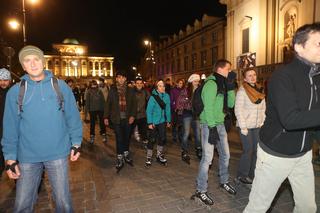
x=309 y=108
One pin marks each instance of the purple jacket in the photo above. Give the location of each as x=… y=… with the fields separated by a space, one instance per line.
x=174 y=94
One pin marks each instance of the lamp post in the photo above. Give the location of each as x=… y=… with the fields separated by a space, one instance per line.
x=150 y=56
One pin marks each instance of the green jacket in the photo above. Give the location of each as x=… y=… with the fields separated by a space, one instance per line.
x=212 y=113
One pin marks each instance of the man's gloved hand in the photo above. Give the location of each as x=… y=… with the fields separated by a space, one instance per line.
x=231 y=81
x=244 y=131
x=213 y=135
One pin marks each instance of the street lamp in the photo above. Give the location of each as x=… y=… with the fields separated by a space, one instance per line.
x=13 y=24
x=24 y=19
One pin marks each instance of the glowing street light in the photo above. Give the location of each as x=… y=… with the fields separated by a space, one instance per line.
x=24 y=19
x=13 y=24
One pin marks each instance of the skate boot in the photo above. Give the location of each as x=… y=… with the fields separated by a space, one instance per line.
x=119 y=163
x=104 y=137
x=161 y=159
x=91 y=139
x=185 y=157
x=229 y=188
x=203 y=197
x=148 y=162
x=199 y=153
x=127 y=158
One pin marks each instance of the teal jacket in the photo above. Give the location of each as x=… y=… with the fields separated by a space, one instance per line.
x=213 y=114
x=156 y=115
x=42 y=131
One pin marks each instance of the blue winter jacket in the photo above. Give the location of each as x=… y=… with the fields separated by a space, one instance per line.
x=42 y=131
x=156 y=115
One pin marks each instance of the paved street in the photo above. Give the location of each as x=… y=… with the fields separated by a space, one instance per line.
x=96 y=187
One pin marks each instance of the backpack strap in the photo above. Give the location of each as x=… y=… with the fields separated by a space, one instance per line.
x=55 y=86
x=22 y=91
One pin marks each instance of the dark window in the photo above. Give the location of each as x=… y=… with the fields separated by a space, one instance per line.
x=194 y=61
x=178 y=65
x=96 y=65
x=214 y=53
x=185 y=62
x=57 y=63
x=84 y=63
x=245 y=40
x=172 y=67
x=185 y=49
x=90 y=65
x=214 y=36
x=203 y=58
x=193 y=45
x=203 y=41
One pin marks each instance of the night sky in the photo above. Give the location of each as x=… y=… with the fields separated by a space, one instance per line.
x=112 y=27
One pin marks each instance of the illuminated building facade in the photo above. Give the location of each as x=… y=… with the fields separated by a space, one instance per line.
x=193 y=50
x=71 y=59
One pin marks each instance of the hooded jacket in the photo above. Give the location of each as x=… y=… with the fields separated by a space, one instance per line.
x=212 y=113
x=293 y=109
x=42 y=131
x=156 y=115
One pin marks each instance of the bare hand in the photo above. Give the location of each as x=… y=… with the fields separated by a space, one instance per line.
x=168 y=125
x=74 y=157
x=106 y=122
x=131 y=120
x=150 y=126
x=11 y=174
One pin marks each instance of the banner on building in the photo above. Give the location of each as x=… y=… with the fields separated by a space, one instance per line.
x=246 y=60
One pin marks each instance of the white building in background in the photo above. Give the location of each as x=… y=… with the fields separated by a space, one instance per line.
x=264 y=28
x=71 y=59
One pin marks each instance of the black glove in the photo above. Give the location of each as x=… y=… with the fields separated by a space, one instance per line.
x=231 y=81
x=213 y=135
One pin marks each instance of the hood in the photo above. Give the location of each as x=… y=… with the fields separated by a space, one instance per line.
x=210 y=77
x=48 y=76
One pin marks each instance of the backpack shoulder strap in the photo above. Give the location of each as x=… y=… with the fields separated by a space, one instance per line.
x=159 y=101
x=22 y=91
x=55 y=86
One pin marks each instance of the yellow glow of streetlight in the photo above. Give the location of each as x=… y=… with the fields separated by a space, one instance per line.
x=34 y=1
x=13 y=24
x=146 y=42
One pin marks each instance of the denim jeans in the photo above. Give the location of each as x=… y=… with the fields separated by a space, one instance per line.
x=207 y=155
x=248 y=158
x=93 y=116
x=28 y=183
x=122 y=132
x=188 y=122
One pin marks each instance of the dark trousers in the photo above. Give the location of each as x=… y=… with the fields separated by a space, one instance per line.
x=142 y=127
x=122 y=132
x=158 y=134
x=177 y=127
x=247 y=163
x=93 y=116
x=2 y=165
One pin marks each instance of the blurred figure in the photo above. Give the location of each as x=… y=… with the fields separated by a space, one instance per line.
x=95 y=106
x=5 y=81
x=168 y=86
x=184 y=109
x=104 y=88
x=140 y=122
x=177 y=129
x=250 y=110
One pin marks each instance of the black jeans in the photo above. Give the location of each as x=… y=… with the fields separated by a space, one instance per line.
x=177 y=127
x=93 y=116
x=142 y=127
x=122 y=132
x=157 y=134
x=2 y=165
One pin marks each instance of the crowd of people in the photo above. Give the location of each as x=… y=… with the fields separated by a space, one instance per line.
x=42 y=128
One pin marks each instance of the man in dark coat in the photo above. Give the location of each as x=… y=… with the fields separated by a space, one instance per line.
x=5 y=80
x=120 y=112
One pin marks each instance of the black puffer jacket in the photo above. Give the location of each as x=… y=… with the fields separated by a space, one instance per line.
x=293 y=109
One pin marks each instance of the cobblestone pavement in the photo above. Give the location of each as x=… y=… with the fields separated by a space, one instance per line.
x=96 y=187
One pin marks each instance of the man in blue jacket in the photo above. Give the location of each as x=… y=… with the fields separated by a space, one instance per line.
x=41 y=133
x=292 y=119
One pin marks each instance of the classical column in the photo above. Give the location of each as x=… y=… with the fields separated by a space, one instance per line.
x=111 y=68
x=99 y=68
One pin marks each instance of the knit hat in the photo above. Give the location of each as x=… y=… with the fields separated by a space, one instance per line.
x=194 y=77
x=122 y=73
x=5 y=74
x=30 y=50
